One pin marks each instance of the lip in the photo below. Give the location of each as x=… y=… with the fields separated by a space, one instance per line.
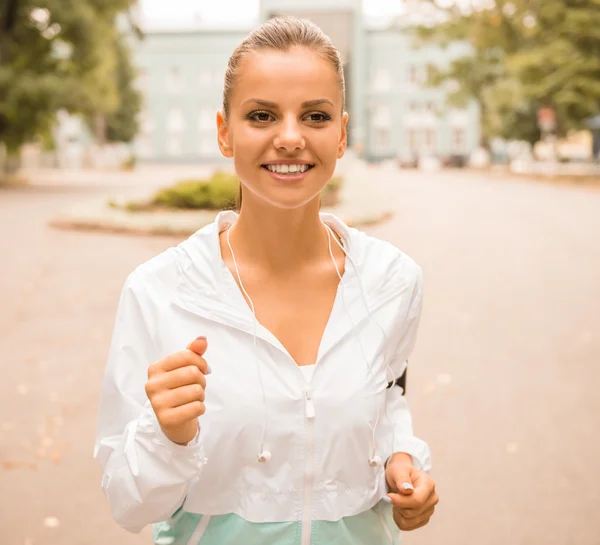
x=288 y=162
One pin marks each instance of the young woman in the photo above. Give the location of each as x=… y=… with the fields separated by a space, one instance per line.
x=251 y=394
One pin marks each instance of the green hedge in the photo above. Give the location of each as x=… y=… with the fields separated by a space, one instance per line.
x=219 y=192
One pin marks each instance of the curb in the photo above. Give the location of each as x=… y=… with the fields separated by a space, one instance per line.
x=180 y=224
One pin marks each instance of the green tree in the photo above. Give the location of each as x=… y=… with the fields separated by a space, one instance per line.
x=524 y=56
x=57 y=54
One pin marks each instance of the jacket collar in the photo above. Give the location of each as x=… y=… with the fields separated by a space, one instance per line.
x=207 y=288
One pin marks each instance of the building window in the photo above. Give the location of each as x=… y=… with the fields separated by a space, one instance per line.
x=219 y=77
x=413 y=74
x=417 y=74
x=383 y=141
x=430 y=139
x=206 y=119
x=413 y=141
x=205 y=79
x=208 y=145
x=174 y=81
x=144 y=146
x=382 y=81
x=458 y=140
x=382 y=116
x=142 y=82
x=175 y=145
x=175 y=120
x=146 y=123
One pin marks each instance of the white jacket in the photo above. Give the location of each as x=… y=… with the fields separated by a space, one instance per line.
x=320 y=434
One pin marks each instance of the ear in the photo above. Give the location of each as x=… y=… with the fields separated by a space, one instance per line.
x=223 y=136
x=343 y=137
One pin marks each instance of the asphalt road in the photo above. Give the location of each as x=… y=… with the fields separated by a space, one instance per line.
x=504 y=382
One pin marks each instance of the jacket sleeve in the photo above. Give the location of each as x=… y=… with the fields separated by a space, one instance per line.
x=397 y=405
x=145 y=475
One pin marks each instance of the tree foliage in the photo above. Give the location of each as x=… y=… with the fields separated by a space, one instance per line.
x=524 y=56
x=59 y=54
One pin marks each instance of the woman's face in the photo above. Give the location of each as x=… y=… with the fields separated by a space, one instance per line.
x=285 y=129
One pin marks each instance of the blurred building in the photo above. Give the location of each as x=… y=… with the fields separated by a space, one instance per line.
x=392 y=112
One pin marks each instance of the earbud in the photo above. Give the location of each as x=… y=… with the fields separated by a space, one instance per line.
x=375 y=461
x=264 y=456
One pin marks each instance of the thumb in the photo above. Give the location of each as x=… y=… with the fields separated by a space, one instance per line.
x=198 y=346
x=403 y=481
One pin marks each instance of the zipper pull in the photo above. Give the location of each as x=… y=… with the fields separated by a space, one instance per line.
x=310 y=408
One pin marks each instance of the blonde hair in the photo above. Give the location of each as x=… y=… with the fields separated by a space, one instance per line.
x=281 y=34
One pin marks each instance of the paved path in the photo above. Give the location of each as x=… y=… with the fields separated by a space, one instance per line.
x=504 y=381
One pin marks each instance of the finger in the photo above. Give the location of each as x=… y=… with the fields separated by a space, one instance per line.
x=410 y=524
x=190 y=374
x=180 y=415
x=412 y=514
x=401 y=501
x=181 y=396
x=183 y=359
x=198 y=346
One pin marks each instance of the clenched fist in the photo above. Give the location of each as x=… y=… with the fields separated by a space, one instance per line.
x=175 y=389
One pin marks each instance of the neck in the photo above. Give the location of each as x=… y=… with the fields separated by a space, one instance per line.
x=281 y=241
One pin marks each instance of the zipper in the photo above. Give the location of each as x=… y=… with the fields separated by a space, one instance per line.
x=310 y=406
x=306 y=519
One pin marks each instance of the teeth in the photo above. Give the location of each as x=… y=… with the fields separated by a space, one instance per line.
x=285 y=169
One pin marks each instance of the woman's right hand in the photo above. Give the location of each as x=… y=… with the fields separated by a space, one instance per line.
x=175 y=389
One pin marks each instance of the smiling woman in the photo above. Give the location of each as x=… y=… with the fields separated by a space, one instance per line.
x=285 y=52
x=283 y=421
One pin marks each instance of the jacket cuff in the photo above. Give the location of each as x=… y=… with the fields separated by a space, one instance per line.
x=148 y=425
x=418 y=450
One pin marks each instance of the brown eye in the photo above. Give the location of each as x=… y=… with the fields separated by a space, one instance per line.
x=318 y=117
x=259 y=116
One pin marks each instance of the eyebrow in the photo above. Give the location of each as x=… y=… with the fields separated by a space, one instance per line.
x=307 y=104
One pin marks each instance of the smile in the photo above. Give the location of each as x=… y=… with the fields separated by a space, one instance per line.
x=288 y=169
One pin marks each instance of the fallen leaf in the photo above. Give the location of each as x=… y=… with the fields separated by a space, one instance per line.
x=56 y=456
x=11 y=464
x=22 y=389
x=51 y=522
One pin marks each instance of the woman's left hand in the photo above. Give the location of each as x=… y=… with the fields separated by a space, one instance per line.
x=414 y=506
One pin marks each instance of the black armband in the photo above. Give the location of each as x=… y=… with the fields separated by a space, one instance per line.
x=400 y=381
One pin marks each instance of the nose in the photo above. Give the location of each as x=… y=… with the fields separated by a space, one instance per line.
x=289 y=137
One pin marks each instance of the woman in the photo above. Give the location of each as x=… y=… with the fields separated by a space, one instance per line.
x=250 y=394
